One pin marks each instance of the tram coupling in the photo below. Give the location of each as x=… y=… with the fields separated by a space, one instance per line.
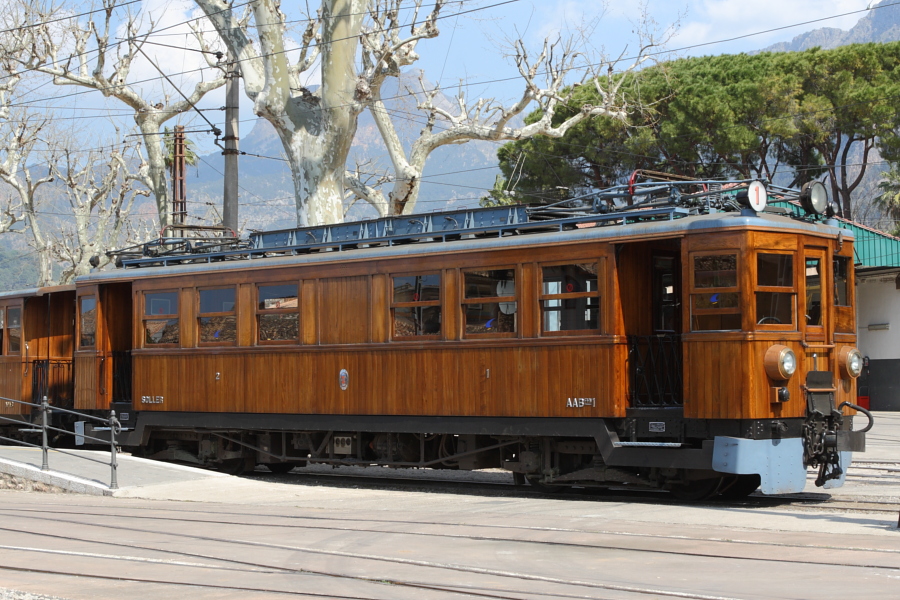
x=828 y=437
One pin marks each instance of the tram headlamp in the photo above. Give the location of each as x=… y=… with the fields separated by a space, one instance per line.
x=814 y=197
x=780 y=362
x=851 y=362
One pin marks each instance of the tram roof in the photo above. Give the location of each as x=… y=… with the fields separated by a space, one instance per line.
x=675 y=227
x=38 y=291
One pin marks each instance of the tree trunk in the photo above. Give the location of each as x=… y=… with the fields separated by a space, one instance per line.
x=156 y=174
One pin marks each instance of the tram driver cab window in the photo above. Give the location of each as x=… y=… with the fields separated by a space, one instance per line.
x=715 y=297
x=489 y=302
x=775 y=293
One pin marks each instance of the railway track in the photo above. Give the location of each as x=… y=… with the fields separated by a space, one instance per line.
x=503 y=486
x=171 y=528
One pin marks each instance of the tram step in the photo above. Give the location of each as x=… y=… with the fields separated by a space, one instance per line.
x=648 y=445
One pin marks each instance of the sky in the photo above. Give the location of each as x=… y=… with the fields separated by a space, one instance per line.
x=473 y=45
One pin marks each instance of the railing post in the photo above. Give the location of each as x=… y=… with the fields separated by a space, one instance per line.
x=113 y=429
x=45 y=408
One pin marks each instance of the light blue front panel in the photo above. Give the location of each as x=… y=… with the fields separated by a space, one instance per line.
x=846 y=459
x=779 y=463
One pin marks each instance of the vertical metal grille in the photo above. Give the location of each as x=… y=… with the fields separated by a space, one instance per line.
x=654 y=364
x=121 y=363
x=53 y=378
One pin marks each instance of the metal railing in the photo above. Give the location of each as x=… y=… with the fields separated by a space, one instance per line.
x=112 y=422
x=655 y=371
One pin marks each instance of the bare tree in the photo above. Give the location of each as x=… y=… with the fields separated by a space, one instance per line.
x=316 y=128
x=487 y=119
x=82 y=53
x=101 y=190
x=20 y=135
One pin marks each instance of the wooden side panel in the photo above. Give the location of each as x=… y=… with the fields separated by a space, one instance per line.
x=344 y=310
x=62 y=325
x=87 y=382
x=11 y=386
x=486 y=381
x=727 y=380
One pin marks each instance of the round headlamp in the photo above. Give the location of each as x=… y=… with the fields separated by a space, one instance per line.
x=851 y=362
x=780 y=362
x=814 y=197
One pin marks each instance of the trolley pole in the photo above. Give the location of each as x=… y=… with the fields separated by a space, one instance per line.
x=230 y=193
x=45 y=408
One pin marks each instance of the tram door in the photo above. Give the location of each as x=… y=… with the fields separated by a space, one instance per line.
x=650 y=279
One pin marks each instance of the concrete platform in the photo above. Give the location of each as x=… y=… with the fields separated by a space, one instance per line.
x=84 y=471
x=148 y=479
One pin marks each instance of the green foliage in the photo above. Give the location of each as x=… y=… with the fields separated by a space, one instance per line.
x=726 y=116
x=889 y=199
x=498 y=196
x=190 y=156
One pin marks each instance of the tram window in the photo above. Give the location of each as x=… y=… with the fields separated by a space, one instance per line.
x=723 y=322
x=715 y=299
x=715 y=271
x=416 y=305
x=775 y=270
x=775 y=297
x=161 y=318
x=217 y=320
x=841 y=281
x=773 y=308
x=276 y=313
x=87 y=322
x=814 y=292
x=14 y=330
x=570 y=298
x=489 y=305
x=2 y=327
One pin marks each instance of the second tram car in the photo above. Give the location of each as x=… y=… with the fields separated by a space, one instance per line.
x=688 y=343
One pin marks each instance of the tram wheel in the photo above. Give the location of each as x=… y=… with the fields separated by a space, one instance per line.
x=236 y=466
x=280 y=468
x=543 y=487
x=696 y=491
x=741 y=487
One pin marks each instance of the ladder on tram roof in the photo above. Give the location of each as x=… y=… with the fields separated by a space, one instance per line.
x=443 y=226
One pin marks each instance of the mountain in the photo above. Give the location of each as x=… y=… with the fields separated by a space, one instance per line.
x=879 y=25
x=266 y=193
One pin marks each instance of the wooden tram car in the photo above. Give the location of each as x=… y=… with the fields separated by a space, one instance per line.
x=679 y=343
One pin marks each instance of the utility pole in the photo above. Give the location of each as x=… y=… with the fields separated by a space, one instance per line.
x=179 y=192
x=230 y=195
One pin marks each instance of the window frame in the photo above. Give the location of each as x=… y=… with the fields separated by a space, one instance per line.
x=258 y=312
x=794 y=325
x=231 y=313
x=541 y=297
x=18 y=305
x=3 y=309
x=417 y=304
x=820 y=255
x=693 y=290
x=464 y=302
x=170 y=316
x=80 y=331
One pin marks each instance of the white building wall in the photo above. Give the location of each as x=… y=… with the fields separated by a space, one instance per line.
x=878 y=302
